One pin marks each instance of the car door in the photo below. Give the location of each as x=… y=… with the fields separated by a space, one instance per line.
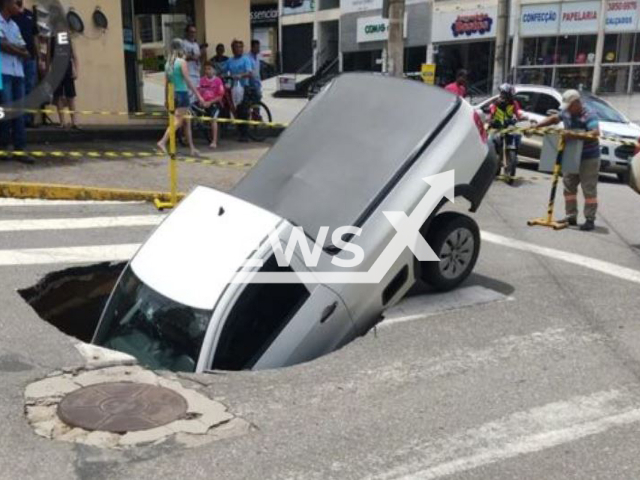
x=322 y=325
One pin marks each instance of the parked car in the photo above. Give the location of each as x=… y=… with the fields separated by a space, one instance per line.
x=359 y=149
x=538 y=102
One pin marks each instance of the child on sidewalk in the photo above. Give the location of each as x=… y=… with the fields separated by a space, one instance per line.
x=212 y=90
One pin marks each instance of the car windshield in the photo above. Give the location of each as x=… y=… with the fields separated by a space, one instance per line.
x=159 y=332
x=604 y=112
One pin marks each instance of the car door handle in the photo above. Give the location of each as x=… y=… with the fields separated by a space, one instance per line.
x=328 y=311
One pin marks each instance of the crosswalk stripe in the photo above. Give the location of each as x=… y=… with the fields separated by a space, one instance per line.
x=46 y=256
x=79 y=223
x=521 y=433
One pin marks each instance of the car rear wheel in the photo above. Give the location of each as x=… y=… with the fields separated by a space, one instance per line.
x=455 y=238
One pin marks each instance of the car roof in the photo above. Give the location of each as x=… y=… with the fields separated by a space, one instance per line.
x=345 y=150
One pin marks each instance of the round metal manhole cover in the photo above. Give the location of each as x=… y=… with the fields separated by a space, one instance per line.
x=121 y=407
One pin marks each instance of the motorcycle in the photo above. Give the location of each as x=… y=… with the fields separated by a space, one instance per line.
x=507 y=145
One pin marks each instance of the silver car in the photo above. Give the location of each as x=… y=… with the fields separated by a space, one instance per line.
x=191 y=299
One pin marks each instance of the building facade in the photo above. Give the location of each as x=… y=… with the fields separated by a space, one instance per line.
x=121 y=66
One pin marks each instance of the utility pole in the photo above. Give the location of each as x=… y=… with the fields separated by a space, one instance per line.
x=394 y=11
x=597 y=67
x=502 y=41
x=515 y=49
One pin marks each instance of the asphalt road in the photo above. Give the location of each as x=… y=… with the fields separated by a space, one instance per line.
x=531 y=371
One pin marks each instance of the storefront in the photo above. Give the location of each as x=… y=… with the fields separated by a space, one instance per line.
x=559 y=40
x=463 y=36
x=364 y=34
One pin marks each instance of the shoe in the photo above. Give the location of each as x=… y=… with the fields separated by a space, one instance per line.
x=572 y=221
x=587 y=226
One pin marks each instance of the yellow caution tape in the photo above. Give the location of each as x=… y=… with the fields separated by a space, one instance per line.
x=123 y=154
x=551 y=130
x=231 y=121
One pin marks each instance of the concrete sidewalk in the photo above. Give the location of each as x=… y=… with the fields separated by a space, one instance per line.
x=149 y=173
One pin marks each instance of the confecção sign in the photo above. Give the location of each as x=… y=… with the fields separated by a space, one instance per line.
x=577 y=17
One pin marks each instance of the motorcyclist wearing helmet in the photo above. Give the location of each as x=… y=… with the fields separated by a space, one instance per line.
x=506 y=111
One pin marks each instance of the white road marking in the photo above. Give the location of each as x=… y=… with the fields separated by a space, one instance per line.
x=79 y=223
x=35 y=202
x=601 y=266
x=44 y=256
x=521 y=433
x=421 y=306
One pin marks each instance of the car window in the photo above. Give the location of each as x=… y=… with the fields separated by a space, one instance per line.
x=159 y=332
x=544 y=103
x=604 y=111
x=260 y=313
x=526 y=100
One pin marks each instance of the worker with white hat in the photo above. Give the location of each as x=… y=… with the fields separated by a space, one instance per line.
x=580 y=124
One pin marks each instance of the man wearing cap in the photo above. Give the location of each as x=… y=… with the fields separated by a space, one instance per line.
x=579 y=121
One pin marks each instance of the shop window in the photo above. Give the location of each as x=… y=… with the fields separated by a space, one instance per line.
x=614 y=79
x=535 y=76
x=586 y=49
x=636 y=49
x=574 y=77
x=414 y=57
x=258 y=317
x=635 y=82
x=539 y=51
x=618 y=48
x=567 y=49
x=529 y=48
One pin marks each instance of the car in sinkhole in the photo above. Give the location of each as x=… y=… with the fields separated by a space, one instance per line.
x=194 y=297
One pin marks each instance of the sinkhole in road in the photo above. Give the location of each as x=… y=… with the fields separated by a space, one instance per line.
x=72 y=300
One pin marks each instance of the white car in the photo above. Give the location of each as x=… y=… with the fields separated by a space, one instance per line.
x=538 y=102
x=357 y=152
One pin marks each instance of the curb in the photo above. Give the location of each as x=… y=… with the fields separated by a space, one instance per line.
x=74 y=192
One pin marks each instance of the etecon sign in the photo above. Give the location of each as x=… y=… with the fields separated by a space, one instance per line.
x=375 y=29
x=579 y=17
x=539 y=19
x=622 y=16
x=452 y=25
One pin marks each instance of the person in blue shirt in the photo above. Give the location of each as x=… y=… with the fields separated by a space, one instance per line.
x=14 y=51
x=580 y=123
x=240 y=68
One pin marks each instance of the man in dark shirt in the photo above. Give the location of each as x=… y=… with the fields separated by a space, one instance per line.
x=219 y=59
x=579 y=121
x=29 y=30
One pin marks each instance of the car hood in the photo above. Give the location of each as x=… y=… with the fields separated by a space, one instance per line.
x=630 y=130
x=195 y=252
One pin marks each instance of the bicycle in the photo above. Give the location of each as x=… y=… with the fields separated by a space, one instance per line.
x=257 y=109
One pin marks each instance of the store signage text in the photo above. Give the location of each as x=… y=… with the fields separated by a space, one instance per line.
x=540 y=17
x=265 y=15
x=622 y=16
x=375 y=29
x=579 y=16
x=468 y=25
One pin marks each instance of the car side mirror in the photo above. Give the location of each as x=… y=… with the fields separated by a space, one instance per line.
x=552 y=111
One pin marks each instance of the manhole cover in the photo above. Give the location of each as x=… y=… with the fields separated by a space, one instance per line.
x=121 y=407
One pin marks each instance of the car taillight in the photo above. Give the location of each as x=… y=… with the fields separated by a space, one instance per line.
x=480 y=126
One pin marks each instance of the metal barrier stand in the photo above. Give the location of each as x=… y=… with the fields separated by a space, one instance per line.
x=173 y=167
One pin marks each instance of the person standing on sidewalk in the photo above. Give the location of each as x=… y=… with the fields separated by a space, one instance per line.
x=14 y=51
x=192 y=56
x=177 y=73
x=240 y=68
x=29 y=31
x=579 y=121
